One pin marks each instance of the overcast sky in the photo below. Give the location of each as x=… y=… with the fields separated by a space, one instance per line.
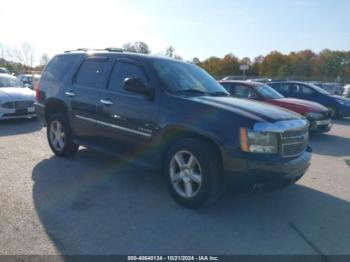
x=196 y=28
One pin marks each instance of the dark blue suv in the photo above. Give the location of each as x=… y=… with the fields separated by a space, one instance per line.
x=338 y=106
x=169 y=115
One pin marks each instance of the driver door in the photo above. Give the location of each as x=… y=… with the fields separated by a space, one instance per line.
x=126 y=117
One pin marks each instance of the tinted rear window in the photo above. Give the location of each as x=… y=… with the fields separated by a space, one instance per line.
x=58 y=68
x=91 y=73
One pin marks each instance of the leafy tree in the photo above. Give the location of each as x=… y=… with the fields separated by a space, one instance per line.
x=170 y=51
x=137 y=47
x=44 y=60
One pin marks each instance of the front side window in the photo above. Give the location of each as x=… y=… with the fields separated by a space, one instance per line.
x=123 y=70
x=91 y=73
x=306 y=90
x=318 y=89
x=268 y=92
x=228 y=87
x=243 y=91
x=303 y=90
x=180 y=78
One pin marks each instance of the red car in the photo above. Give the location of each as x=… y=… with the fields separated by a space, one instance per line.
x=318 y=115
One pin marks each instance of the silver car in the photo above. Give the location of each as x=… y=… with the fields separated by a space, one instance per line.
x=15 y=101
x=346 y=92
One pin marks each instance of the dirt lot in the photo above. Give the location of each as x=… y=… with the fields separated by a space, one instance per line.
x=94 y=204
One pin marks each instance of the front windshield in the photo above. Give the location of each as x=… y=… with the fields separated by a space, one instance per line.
x=319 y=89
x=268 y=92
x=186 y=78
x=9 y=82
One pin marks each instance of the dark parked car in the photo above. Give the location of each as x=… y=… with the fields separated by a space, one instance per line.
x=338 y=106
x=318 y=115
x=3 y=70
x=29 y=80
x=172 y=115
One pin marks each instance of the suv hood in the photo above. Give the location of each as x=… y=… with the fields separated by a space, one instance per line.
x=17 y=93
x=249 y=108
x=298 y=105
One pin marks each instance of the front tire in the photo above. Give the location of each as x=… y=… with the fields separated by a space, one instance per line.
x=60 y=137
x=193 y=173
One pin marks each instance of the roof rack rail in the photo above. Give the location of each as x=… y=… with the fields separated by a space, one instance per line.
x=109 y=49
x=114 y=49
x=77 y=50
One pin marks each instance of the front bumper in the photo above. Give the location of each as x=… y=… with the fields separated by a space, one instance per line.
x=10 y=113
x=270 y=171
x=321 y=125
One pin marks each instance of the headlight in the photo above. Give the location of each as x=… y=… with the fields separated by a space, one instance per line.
x=344 y=102
x=311 y=115
x=258 y=142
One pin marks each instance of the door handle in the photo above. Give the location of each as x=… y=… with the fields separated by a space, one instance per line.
x=106 y=102
x=70 y=93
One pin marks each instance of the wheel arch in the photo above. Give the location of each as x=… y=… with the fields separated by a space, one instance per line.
x=54 y=105
x=173 y=134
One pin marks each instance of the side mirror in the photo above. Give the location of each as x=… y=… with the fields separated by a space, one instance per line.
x=136 y=85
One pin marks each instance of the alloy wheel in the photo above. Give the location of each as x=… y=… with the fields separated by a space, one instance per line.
x=57 y=135
x=186 y=174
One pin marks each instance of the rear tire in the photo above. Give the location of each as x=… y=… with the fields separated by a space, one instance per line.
x=60 y=137
x=193 y=173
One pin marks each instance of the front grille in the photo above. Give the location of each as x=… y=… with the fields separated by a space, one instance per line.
x=18 y=104
x=21 y=112
x=294 y=143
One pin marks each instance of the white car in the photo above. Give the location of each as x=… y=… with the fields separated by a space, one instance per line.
x=346 y=92
x=16 y=101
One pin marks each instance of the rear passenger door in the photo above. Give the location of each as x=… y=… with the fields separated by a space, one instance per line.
x=83 y=95
x=125 y=116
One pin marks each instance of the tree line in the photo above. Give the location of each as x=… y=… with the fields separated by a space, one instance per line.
x=304 y=65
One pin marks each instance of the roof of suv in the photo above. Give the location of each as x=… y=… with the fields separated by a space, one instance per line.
x=118 y=52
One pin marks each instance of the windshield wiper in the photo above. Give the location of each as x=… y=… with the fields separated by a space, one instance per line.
x=186 y=91
x=219 y=93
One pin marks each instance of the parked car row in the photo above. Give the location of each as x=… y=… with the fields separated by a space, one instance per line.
x=337 y=105
x=319 y=116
